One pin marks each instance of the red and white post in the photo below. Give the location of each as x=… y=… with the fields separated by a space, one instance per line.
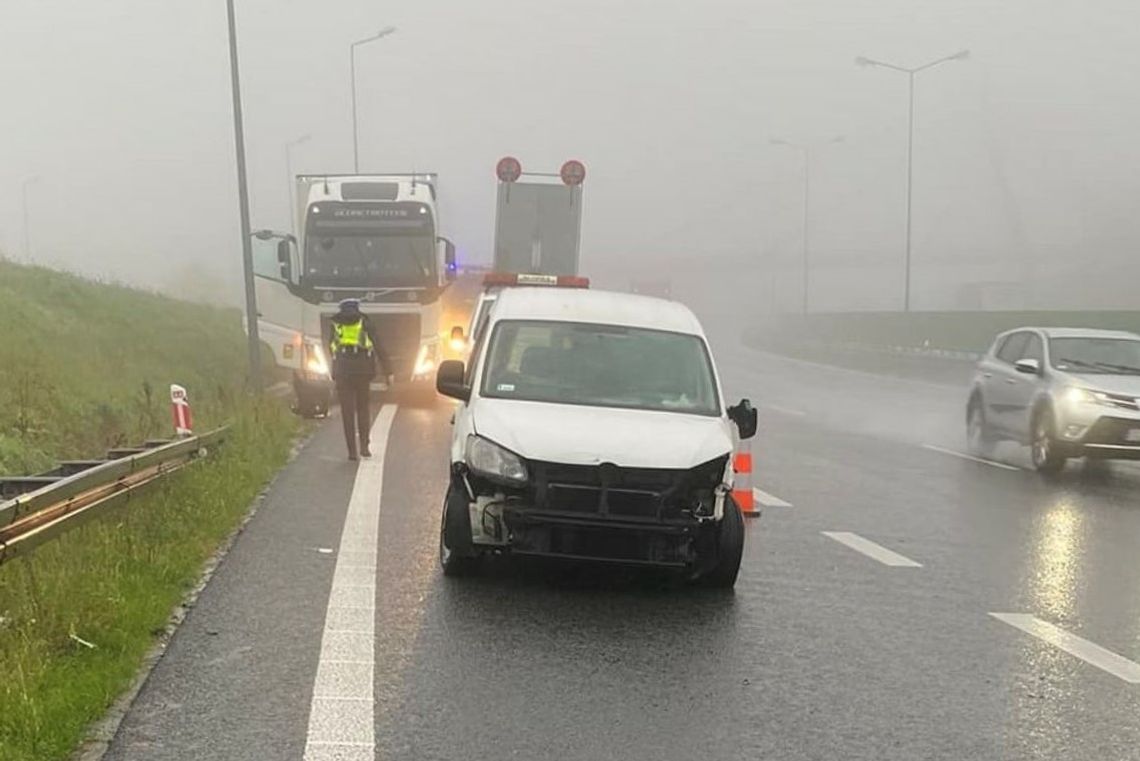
x=180 y=408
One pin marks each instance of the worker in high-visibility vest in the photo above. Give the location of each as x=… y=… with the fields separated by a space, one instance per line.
x=355 y=353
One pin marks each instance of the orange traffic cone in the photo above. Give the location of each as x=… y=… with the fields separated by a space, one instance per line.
x=742 y=484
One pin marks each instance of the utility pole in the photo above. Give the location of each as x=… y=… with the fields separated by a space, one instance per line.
x=243 y=209
x=910 y=72
x=352 y=75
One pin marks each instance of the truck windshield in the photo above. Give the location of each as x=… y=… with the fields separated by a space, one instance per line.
x=600 y=366
x=369 y=245
x=370 y=259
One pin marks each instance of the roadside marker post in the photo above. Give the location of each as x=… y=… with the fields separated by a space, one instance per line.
x=180 y=409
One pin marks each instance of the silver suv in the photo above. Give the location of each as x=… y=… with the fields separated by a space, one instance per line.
x=1065 y=392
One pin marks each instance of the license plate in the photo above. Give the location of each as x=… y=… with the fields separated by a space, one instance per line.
x=1132 y=435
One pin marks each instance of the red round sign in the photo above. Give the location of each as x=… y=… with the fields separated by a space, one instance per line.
x=508 y=169
x=573 y=172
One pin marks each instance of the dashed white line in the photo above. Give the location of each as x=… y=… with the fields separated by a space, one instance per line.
x=768 y=500
x=971 y=458
x=331 y=722
x=1089 y=652
x=871 y=550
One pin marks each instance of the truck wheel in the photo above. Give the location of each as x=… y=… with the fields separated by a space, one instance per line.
x=729 y=548
x=457 y=554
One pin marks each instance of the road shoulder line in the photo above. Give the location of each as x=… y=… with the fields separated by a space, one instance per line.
x=970 y=457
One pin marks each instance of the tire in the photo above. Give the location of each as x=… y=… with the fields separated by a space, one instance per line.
x=1046 y=452
x=729 y=549
x=457 y=554
x=979 y=439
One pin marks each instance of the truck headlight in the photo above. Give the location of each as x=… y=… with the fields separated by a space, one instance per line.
x=489 y=459
x=425 y=360
x=315 y=361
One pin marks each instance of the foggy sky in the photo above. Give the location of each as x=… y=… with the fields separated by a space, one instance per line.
x=1026 y=154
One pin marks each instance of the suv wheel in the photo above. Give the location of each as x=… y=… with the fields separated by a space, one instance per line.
x=979 y=439
x=729 y=548
x=457 y=554
x=1047 y=454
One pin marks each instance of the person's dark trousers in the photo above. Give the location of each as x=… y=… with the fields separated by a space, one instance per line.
x=352 y=393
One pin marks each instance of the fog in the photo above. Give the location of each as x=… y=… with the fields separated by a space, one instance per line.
x=1024 y=166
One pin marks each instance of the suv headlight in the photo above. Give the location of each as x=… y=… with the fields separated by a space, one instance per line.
x=489 y=459
x=1076 y=395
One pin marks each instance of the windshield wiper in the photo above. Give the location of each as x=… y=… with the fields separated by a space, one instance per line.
x=1080 y=363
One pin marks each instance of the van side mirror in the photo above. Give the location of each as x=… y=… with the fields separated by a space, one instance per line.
x=449 y=380
x=744 y=415
x=285 y=259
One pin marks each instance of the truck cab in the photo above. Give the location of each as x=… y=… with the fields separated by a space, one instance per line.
x=374 y=238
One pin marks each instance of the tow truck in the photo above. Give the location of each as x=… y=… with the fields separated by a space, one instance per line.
x=370 y=237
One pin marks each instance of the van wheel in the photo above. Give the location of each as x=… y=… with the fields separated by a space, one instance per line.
x=457 y=555
x=1047 y=454
x=729 y=548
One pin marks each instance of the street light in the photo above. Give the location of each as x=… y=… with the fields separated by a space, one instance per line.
x=961 y=55
x=806 y=150
x=352 y=69
x=290 y=179
x=27 y=226
x=254 y=346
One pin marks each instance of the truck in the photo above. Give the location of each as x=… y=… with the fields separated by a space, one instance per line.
x=374 y=238
x=538 y=228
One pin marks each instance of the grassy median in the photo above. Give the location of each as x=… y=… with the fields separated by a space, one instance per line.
x=78 y=615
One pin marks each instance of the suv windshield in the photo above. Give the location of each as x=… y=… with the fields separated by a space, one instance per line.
x=1096 y=355
x=601 y=366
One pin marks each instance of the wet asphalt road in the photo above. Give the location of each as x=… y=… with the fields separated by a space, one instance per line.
x=820 y=653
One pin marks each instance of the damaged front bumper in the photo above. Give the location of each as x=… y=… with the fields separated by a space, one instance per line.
x=604 y=513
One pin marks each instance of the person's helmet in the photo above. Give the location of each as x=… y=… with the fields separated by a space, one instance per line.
x=350 y=305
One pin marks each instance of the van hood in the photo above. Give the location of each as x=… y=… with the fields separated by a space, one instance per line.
x=580 y=435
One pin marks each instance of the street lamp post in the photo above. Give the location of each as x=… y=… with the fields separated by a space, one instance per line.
x=352 y=72
x=254 y=346
x=806 y=150
x=27 y=216
x=863 y=61
x=290 y=180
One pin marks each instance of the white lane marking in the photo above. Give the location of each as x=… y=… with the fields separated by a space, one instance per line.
x=330 y=723
x=871 y=550
x=1089 y=652
x=768 y=500
x=971 y=458
x=783 y=410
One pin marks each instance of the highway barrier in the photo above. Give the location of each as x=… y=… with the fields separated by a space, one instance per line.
x=40 y=507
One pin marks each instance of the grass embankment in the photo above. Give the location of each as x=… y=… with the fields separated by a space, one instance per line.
x=76 y=360
x=955 y=331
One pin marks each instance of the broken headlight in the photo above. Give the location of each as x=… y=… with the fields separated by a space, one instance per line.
x=487 y=458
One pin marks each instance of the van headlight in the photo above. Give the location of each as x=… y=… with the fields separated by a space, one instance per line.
x=487 y=458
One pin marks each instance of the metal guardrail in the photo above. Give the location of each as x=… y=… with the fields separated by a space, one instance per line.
x=48 y=504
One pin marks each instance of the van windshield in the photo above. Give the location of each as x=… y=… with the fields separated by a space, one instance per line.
x=600 y=366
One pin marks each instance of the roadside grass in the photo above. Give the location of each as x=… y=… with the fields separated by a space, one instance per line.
x=85 y=366
x=112 y=584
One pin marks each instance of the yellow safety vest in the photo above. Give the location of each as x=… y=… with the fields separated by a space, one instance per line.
x=350 y=335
